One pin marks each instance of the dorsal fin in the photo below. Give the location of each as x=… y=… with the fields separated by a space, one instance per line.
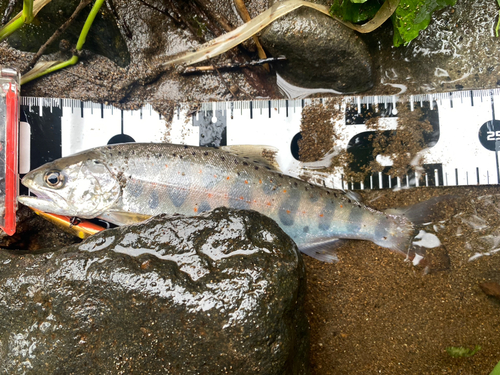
x=263 y=154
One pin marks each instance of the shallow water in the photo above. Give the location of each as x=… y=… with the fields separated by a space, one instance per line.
x=374 y=313
x=371 y=312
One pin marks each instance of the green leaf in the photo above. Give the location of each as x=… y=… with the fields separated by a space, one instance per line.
x=355 y=11
x=461 y=352
x=496 y=370
x=411 y=16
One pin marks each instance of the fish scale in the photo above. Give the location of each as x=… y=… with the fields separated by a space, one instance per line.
x=188 y=180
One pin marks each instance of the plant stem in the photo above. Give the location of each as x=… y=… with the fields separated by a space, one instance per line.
x=10 y=28
x=57 y=33
x=88 y=24
x=79 y=45
x=27 y=11
x=28 y=78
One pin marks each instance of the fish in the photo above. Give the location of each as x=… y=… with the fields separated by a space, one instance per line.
x=131 y=182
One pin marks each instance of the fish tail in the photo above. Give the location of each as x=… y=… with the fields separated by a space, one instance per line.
x=423 y=247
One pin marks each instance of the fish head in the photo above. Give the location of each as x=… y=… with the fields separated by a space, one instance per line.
x=81 y=185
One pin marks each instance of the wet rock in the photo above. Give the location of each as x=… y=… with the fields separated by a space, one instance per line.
x=35 y=233
x=320 y=52
x=458 y=51
x=104 y=37
x=221 y=292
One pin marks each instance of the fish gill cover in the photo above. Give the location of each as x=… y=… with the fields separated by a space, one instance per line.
x=409 y=18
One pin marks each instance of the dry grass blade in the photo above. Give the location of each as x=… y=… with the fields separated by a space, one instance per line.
x=40 y=67
x=227 y=41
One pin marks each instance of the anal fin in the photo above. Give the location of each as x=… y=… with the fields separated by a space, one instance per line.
x=324 y=251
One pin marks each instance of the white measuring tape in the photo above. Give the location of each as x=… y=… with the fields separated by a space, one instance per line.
x=462 y=149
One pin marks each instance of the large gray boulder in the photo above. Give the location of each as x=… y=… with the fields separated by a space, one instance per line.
x=218 y=293
x=320 y=52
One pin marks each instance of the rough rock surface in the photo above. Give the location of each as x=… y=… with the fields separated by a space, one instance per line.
x=152 y=32
x=320 y=52
x=458 y=51
x=217 y=293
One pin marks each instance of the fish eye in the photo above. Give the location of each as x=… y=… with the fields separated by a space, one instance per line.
x=54 y=179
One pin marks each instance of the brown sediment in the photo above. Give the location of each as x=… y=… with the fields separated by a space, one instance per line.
x=316 y=126
x=373 y=313
x=401 y=146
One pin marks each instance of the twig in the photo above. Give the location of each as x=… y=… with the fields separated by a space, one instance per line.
x=245 y=16
x=57 y=33
x=210 y=68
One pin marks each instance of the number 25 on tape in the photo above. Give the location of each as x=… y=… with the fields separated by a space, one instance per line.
x=493 y=135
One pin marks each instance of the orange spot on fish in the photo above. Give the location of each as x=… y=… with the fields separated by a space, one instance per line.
x=210 y=195
x=284 y=191
x=260 y=181
x=166 y=165
x=246 y=182
x=215 y=175
x=321 y=215
x=196 y=209
x=288 y=212
x=242 y=198
x=227 y=178
x=341 y=206
x=268 y=203
x=200 y=171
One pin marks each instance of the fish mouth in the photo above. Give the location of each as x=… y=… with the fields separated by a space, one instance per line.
x=52 y=203
x=44 y=204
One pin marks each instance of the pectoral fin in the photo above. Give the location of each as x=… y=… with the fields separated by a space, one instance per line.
x=123 y=217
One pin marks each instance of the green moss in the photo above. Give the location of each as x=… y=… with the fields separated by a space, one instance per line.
x=462 y=352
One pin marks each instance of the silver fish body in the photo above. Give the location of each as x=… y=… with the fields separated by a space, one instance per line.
x=129 y=182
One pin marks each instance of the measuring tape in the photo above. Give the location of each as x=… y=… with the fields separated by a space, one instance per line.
x=462 y=149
